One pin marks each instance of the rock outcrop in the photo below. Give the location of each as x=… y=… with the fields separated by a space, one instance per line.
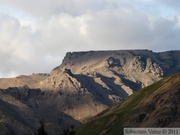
x=154 y=106
x=86 y=83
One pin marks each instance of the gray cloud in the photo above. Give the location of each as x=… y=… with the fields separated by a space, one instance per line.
x=175 y=4
x=46 y=8
x=128 y=29
x=37 y=35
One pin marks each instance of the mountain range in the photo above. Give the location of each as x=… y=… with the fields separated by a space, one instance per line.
x=82 y=86
x=154 y=106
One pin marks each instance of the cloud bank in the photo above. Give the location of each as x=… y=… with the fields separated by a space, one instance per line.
x=35 y=35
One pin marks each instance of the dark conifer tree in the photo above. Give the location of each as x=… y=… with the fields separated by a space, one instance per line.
x=69 y=132
x=41 y=130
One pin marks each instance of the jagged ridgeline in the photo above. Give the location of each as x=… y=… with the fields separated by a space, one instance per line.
x=85 y=84
x=154 y=106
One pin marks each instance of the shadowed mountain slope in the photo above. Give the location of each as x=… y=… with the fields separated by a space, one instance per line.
x=22 y=108
x=99 y=79
x=154 y=106
x=85 y=84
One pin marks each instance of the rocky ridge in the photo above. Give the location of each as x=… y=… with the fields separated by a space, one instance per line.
x=154 y=106
x=86 y=83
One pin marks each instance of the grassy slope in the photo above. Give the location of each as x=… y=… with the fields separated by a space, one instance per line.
x=113 y=121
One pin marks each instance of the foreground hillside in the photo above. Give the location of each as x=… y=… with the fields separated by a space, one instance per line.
x=154 y=106
x=22 y=108
x=85 y=84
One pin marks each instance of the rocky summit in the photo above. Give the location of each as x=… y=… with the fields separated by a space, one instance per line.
x=85 y=84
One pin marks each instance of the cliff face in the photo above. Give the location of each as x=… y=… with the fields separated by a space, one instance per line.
x=86 y=83
x=154 y=106
x=103 y=78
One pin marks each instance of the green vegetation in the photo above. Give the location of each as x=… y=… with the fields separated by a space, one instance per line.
x=41 y=130
x=69 y=132
x=118 y=117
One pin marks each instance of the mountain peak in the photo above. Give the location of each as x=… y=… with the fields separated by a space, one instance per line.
x=85 y=84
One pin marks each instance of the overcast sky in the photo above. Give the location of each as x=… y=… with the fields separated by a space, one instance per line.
x=36 y=34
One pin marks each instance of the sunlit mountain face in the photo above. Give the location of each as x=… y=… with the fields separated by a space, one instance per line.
x=154 y=106
x=82 y=86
